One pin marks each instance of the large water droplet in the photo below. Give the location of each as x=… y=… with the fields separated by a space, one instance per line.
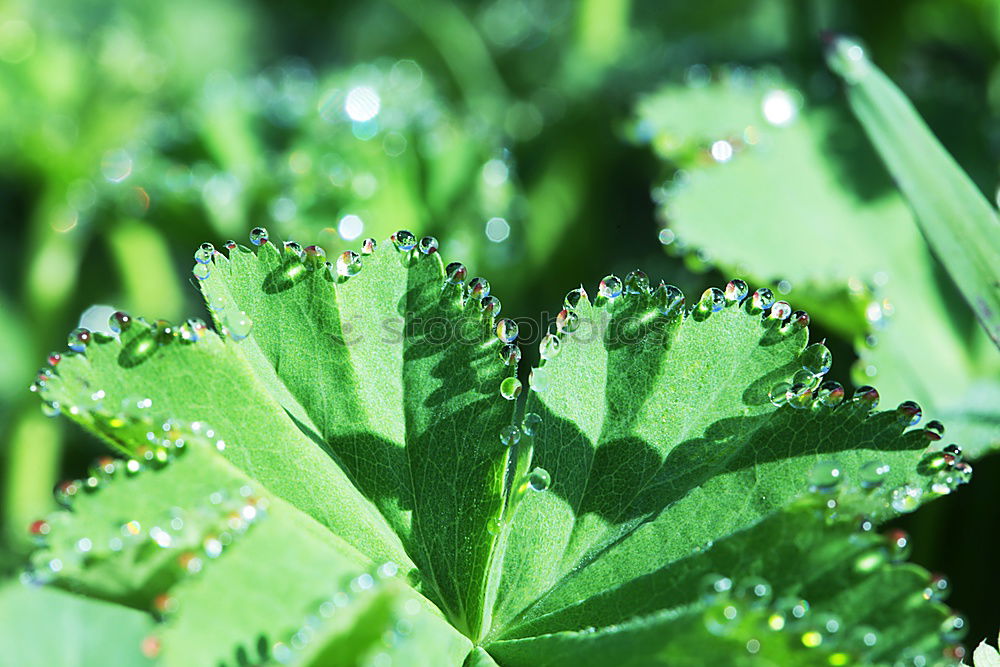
x=119 y=322
x=780 y=310
x=510 y=388
x=909 y=413
x=204 y=253
x=404 y=240
x=817 y=359
x=201 y=271
x=348 y=264
x=479 y=288
x=799 y=395
x=428 y=245
x=872 y=474
x=778 y=393
x=549 y=347
x=573 y=298
x=455 y=273
x=510 y=435
x=368 y=246
x=531 y=424
x=567 y=321
x=934 y=430
x=315 y=255
x=539 y=479
x=712 y=300
x=258 y=235
x=507 y=330
x=830 y=394
x=510 y=355
x=906 y=498
x=610 y=287
x=762 y=299
x=799 y=319
x=636 y=282
x=79 y=339
x=866 y=397
x=736 y=290
x=238 y=325
x=490 y=305
x=539 y=379
x=825 y=476
x=668 y=299
x=721 y=618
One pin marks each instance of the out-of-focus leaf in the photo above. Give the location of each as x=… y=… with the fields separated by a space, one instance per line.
x=959 y=223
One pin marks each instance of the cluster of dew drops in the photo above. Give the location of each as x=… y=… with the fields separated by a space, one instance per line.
x=747 y=609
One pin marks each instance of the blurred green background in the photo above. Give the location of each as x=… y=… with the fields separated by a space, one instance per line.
x=545 y=144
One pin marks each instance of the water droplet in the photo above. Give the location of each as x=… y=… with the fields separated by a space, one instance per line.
x=455 y=273
x=510 y=435
x=898 y=544
x=937 y=589
x=830 y=394
x=712 y=300
x=507 y=330
x=873 y=474
x=549 y=347
x=906 y=498
x=668 y=299
x=539 y=379
x=866 y=397
x=531 y=424
x=510 y=388
x=315 y=253
x=817 y=359
x=539 y=479
x=51 y=408
x=721 y=618
x=204 y=253
x=510 y=355
x=825 y=476
x=490 y=306
x=800 y=319
x=755 y=590
x=348 y=264
x=610 y=287
x=806 y=378
x=79 y=339
x=799 y=395
x=567 y=321
x=780 y=310
x=238 y=326
x=933 y=462
x=934 y=430
x=479 y=288
x=736 y=290
x=428 y=245
x=636 y=282
x=811 y=639
x=573 y=298
x=778 y=393
x=762 y=299
x=368 y=246
x=404 y=240
x=54 y=358
x=295 y=249
x=258 y=235
x=908 y=413
x=953 y=628
x=119 y=322
x=200 y=271
x=963 y=473
x=229 y=245
x=953 y=449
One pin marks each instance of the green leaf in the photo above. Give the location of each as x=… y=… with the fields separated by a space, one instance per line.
x=371 y=403
x=814 y=213
x=654 y=454
x=660 y=439
x=41 y=627
x=958 y=222
x=228 y=567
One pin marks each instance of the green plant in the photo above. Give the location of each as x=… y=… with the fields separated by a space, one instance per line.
x=339 y=473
